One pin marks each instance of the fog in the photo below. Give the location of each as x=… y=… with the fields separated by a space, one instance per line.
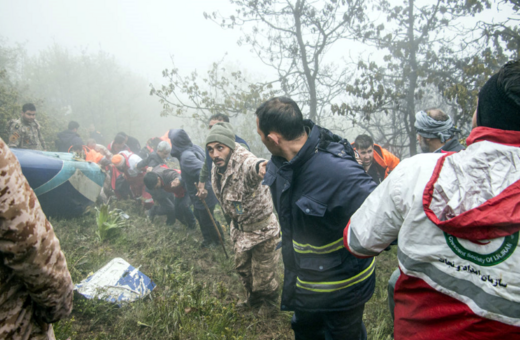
x=142 y=35
x=94 y=62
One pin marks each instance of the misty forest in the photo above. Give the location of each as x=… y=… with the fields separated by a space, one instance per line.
x=353 y=66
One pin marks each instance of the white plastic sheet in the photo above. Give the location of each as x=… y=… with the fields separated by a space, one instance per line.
x=116 y=282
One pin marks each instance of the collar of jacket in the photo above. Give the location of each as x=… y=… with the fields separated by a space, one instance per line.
x=482 y=133
x=285 y=168
x=318 y=139
x=33 y=123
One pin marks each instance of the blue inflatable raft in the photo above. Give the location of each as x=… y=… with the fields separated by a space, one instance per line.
x=64 y=186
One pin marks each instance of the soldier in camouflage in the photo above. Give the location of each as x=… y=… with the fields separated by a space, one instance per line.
x=35 y=285
x=236 y=180
x=24 y=132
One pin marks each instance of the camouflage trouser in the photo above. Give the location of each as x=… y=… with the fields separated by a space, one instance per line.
x=257 y=269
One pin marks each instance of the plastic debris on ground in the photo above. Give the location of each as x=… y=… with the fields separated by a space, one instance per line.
x=116 y=282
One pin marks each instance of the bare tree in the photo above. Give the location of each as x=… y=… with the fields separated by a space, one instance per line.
x=420 y=39
x=219 y=90
x=293 y=38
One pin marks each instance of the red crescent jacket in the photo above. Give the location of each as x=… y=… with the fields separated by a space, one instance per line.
x=457 y=220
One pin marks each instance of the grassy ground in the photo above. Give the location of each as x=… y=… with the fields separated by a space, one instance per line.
x=196 y=292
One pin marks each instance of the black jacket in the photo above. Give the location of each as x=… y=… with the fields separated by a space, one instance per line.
x=452 y=145
x=191 y=159
x=66 y=139
x=133 y=144
x=315 y=194
x=152 y=160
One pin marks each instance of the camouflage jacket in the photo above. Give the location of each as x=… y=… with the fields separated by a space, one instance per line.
x=25 y=135
x=245 y=200
x=35 y=284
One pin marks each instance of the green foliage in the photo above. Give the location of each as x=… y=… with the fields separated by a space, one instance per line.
x=108 y=221
x=91 y=88
x=9 y=107
x=197 y=289
x=219 y=90
x=425 y=52
x=15 y=91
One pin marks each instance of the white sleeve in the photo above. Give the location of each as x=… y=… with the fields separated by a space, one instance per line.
x=377 y=222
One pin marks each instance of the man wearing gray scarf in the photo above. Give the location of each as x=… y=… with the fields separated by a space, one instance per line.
x=435 y=132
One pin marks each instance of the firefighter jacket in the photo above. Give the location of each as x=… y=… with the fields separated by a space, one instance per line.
x=315 y=195
x=457 y=220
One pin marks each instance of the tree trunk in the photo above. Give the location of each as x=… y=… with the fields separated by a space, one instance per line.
x=412 y=79
x=309 y=76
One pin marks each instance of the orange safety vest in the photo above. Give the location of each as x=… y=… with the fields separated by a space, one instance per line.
x=384 y=158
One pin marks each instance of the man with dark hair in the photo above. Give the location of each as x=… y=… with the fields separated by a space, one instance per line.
x=436 y=132
x=205 y=173
x=191 y=159
x=132 y=142
x=118 y=144
x=457 y=221
x=169 y=196
x=123 y=142
x=69 y=137
x=316 y=185
x=236 y=181
x=24 y=132
x=377 y=161
x=218 y=117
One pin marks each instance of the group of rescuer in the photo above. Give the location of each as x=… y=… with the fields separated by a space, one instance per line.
x=333 y=206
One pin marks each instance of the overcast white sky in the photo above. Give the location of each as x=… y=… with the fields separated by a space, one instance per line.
x=140 y=34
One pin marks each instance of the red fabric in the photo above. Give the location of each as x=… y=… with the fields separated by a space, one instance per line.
x=345 y=243
x=484 y=222
x=506 y=137
x=422 y=313
x=115 y=174
x=136 y=183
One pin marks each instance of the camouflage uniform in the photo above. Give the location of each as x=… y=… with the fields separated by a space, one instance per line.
x=35 y=285
x=25 y=135
x=254 y=228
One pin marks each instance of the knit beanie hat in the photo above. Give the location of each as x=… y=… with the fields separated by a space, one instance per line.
x=223 y=133
x=118 y=160
x=495 y=109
